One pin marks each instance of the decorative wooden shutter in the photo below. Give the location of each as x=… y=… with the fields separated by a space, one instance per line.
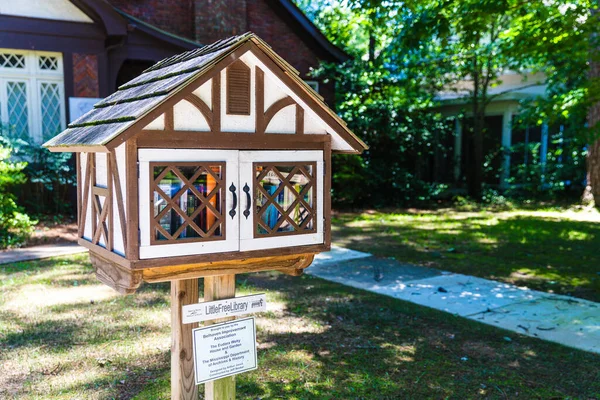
x=238 y=89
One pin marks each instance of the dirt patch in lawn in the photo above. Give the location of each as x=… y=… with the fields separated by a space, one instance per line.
x=50 y=232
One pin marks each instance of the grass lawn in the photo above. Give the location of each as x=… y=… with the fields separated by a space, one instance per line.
x=554 y=250
x=63 y=335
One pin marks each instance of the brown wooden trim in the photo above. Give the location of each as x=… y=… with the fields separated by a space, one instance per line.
x=211 y=71
x=101 y=227
x=120 y=204
x=327 y=193
x=259 y=101
x=101 y=251
x=169 y=119
x=299 y=120
x=227 y=256
x=78 y=167
x=131 y=193
x=202 y=107
x=274 y=109
x=293 y=262
x=229 y=140
x=233 y=93
x=112 y=274
x=216 y=102
x=86 y=195
x=100 y=191
x=109 y=202
x=92 y=185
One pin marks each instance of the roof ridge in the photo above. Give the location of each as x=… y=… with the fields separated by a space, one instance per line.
x=206 y=49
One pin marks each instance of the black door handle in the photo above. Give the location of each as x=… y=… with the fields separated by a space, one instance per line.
x=248 y=200
x=232 y=190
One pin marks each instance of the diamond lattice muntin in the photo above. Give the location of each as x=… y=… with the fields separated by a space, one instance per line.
x=48 y=63
x=188 y=202
x=10 y=60
x=50 y=108
x=285 y=202
x=18 y=115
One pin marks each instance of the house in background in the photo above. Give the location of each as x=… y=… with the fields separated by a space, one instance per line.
x=499 y=119
x=58 y=57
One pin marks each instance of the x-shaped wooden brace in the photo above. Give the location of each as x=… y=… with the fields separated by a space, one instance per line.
x=172 y=202
x=285 y=182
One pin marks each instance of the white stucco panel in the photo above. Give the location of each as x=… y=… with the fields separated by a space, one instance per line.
x=284 y=121
x=313 y=124
x=204 y=92
x=101 y=170
x=118 y=242
x=240 y=123
x=87 y=227
x=158 y=124
x=273 y=91
x=186 y=117
x=62 y=10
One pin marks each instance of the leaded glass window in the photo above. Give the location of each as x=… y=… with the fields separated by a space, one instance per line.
x=18 y=115
x=31 y=94
x=8 y=60
x=48 y=63
x=50 y=109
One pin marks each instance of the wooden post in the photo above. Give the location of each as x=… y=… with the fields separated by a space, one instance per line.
x=183 y=384
x=217 y=288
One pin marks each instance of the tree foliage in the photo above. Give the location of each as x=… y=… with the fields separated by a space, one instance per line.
x=405 y=53
x=15 y=225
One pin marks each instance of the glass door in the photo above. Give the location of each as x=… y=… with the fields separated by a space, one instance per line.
x=188 y=202
x=282 y=199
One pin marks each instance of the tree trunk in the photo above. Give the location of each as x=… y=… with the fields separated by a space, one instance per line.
x=476 y=176
x=593 y=174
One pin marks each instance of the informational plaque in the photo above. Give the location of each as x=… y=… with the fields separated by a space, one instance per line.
x=224 y=349
x=224 y=308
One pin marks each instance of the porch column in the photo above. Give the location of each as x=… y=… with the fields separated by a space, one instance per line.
x=457 y=148
x=506 y=144
x=544 y=145
x=544 y=151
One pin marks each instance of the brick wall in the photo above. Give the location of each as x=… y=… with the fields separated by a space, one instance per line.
x=218 y=19
x=85 y=75
x=174 y=16
x=263 y=21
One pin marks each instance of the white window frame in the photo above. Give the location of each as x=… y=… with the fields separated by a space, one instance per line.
x=33 y=75
x=247 y=240
x=239 y=230
x=231 y=242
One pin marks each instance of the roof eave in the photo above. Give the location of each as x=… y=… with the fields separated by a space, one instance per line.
x=158 y=33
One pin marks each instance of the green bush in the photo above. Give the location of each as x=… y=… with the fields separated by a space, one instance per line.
x=15 y=225
x=51 y=178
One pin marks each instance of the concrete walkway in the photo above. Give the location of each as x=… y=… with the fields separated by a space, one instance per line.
x=562 y=319
x=37 y=252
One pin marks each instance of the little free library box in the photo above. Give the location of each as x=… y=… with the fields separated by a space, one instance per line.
x=212 y=162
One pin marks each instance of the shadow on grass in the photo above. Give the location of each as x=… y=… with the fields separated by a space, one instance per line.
x=542 y=253
x=372 y=346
